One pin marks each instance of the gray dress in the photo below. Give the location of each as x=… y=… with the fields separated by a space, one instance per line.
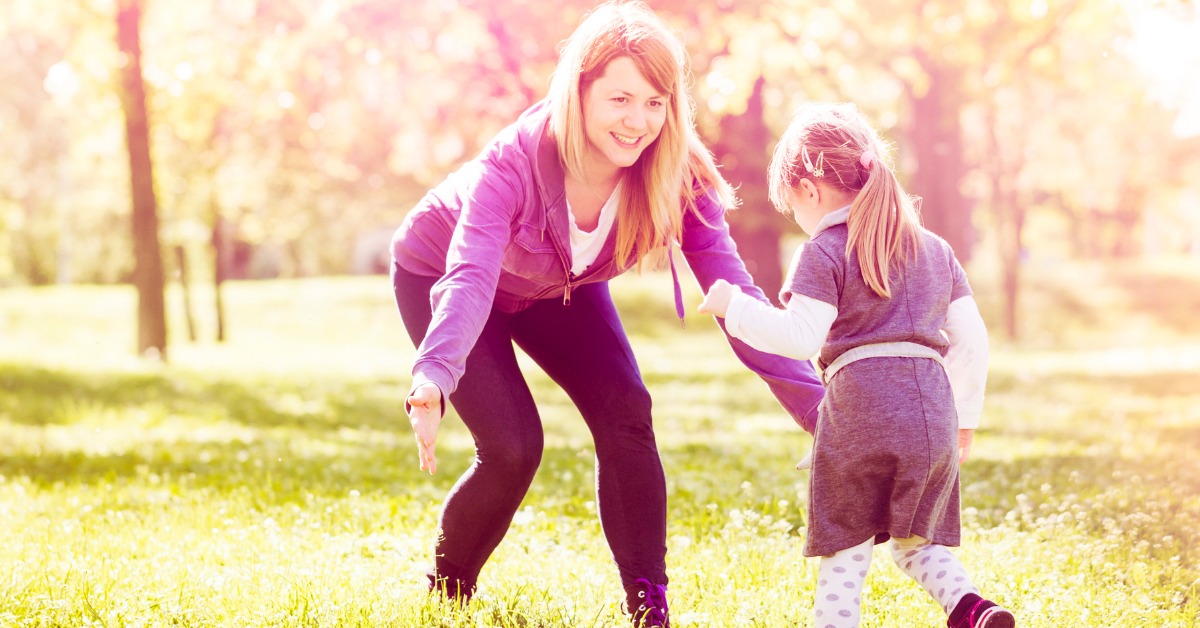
x=885 y=458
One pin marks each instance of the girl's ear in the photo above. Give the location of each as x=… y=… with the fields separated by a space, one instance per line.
x=807 y=190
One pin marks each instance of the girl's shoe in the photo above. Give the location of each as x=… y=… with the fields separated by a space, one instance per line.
x=975 y=612
x=646 y=604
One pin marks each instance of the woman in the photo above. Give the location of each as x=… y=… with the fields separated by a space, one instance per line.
x=518 y=246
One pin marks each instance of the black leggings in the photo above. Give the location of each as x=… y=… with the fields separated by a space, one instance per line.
x=583 y=348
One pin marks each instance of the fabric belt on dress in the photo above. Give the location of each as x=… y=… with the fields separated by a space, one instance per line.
x=881 y=350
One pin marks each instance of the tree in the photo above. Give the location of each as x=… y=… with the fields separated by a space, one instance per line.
x=742 y=150
x=311 y=123
x=33 y=170
x=1049 y=147
x=935 y=140
x=148 y=266
x=743 y=59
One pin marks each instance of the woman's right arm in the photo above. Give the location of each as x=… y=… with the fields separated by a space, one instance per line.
x=462 y=299
x=490 y=191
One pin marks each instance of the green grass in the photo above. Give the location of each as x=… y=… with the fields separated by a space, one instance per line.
x=271 y=480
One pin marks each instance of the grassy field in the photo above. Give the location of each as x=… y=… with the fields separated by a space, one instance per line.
x=271 y=480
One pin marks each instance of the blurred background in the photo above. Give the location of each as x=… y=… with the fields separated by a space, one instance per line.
x=148 y=141
x=230 y=172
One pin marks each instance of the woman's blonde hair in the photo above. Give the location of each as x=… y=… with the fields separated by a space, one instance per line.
x=676 y=168
x=833 y=145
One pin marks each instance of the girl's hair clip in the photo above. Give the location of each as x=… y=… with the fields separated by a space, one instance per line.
x=817 y=170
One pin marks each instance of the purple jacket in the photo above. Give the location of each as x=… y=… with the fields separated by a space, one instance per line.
x=496 y=233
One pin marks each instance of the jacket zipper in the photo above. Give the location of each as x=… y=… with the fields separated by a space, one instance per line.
x=562 y=260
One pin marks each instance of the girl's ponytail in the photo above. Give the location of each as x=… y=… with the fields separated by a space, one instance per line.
x=835 y=146
x=883 y=224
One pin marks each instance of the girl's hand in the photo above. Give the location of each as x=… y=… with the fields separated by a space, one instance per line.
x=424 y=405
x=716 y=302
x=964 y=444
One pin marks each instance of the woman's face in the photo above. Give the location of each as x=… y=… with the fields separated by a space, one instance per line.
x=622 y=115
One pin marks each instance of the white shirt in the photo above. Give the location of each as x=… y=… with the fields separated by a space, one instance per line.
x=586 y=245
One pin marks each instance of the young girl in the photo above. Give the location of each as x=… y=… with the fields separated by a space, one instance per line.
x=518 y=246
x=904 y=354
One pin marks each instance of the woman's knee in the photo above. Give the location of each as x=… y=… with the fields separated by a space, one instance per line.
x=622 y=421
x=628 y=398
x=513 y=457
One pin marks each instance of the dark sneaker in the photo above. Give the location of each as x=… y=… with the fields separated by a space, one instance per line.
x=646 y=604
x=975 y=612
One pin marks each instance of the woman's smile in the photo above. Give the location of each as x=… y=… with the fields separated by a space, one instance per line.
x=627 y=140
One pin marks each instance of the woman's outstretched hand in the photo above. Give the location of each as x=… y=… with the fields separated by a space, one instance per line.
x=716 y=302
x=425 y=414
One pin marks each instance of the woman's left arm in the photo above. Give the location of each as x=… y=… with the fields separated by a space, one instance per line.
x=711 y=254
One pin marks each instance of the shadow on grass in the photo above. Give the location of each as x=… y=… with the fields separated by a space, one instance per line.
x=1182 y=436
x=1145 y=499
x=38 y=396
x=221 y=466
x=1176 y=383
x=275 y=471
x=1067 y=304
x=297 y=451
x=1101 y=493
x=1165 y=383
x=1171 y=299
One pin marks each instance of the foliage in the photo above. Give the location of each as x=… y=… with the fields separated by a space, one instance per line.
x=312 y=126
x=270 y=480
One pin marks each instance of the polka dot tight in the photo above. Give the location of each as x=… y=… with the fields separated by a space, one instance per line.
x=935 y=568
x=839 y=586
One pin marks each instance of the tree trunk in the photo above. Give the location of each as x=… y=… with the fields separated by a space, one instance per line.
x=1012 y=245
x=936 y=142
x=1010 y=219
x=148 y=266
x=220 y=246
x=742 y=151
x=185 y=285
x=1127 y=224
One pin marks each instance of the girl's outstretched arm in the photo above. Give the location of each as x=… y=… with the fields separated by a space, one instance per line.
x=796 y=332
x=712 y=255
